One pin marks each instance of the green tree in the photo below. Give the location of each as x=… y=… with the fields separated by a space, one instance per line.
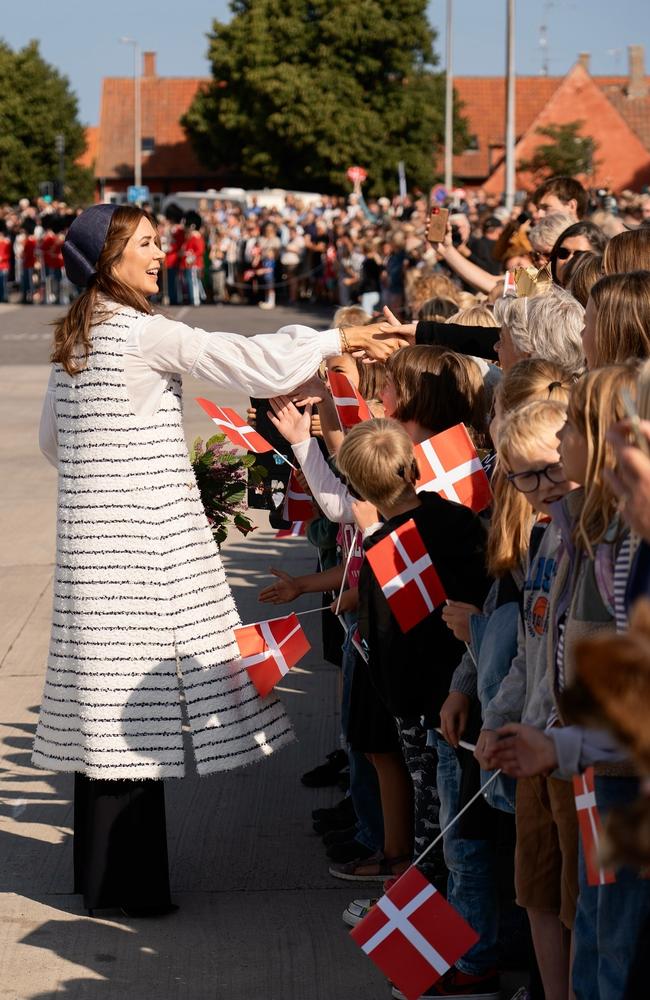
x=36 y=105
x=568 y=153
x=301 y=91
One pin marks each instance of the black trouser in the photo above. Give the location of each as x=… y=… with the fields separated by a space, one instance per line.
x=120 y=843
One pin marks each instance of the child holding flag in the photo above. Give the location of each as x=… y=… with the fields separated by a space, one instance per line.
x=411 y=662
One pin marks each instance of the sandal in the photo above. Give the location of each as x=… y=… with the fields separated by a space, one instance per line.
x=357 y=871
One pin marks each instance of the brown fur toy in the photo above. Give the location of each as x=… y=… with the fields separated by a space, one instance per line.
x=612 y=691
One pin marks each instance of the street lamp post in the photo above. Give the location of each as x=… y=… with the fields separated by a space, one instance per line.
x=449 y=103
x=510 y=105
x=137 y=125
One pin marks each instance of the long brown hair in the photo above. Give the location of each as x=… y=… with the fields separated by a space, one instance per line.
x=622 y=328
x=595 y=404
x=628 y=251
x=72 y=333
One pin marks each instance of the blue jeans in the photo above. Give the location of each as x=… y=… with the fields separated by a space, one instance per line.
x=4 y=276
x=472 y=883
x=364 y=785
x=608 y=917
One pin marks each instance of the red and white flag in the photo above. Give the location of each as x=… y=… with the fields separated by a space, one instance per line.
x=269 y=650
x=350 y=406
x=297 y=530
x=413 y=934
x=235 y=428
x=298 y=505
x=590 y=827
x=406 y=575
x=450 y=466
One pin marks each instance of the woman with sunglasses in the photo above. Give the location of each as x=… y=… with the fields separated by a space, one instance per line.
x=582 y=237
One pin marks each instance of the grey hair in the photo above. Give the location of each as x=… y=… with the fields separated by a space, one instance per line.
x=555 y=323
x=543 y=236
x=547 y=326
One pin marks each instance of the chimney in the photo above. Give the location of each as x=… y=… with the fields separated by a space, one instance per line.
x=637 y=86
x=148 y=63
x=584 y=59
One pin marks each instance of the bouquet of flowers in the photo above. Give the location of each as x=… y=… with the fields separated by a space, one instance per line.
x=222 y=476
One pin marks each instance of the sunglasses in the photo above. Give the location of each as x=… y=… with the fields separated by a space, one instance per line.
x=564 y=253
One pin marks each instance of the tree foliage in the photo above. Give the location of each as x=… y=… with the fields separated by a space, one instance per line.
x=37 y=104
x=301 y=91
x=569 y=153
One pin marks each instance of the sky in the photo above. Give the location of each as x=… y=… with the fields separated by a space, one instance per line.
x=82 y=37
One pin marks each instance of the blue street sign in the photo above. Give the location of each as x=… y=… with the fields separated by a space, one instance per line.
x=135 y=194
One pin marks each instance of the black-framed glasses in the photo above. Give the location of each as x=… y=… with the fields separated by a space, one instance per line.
x=529 y=481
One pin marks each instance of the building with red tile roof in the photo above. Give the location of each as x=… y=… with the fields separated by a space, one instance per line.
x=615 y=110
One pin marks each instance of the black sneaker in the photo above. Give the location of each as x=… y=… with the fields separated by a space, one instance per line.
x=350 y=851
x=326 y=774
x=339 y=836
x=344 y=806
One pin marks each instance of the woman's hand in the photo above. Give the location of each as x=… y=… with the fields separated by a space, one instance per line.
x=456 y=615
x=485 y=744
x=523 y=751
x=374 y=341
x=392 y=324
x=293 y=425
x=251 y=416
x=365 y=513
x=453 y=717
x=286 y=588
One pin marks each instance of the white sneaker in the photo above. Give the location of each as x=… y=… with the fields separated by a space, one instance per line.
x=355 y=911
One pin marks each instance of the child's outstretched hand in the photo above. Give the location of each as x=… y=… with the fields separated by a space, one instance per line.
x=284 y=589
x=293 y=425
x=456 y=615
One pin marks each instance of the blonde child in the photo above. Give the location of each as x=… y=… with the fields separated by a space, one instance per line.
x=590 y=577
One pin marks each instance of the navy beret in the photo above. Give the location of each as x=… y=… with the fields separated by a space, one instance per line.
x=85 y=241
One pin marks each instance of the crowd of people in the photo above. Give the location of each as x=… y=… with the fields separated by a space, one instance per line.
x=537 y=662
x=335 y=251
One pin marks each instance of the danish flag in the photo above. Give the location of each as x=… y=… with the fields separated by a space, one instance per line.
x=269 y=650
x=406 y=575
x=413 y=934
x=297 y=529
x=450 y=466
x=235 y=429
x=590 y=827
x=298 y=505
x=350 y=407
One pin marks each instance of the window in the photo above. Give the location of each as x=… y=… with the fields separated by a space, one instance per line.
x=473 y=143
x=148 y=144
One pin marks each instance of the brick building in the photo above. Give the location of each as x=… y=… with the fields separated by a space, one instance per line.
x=615 y=109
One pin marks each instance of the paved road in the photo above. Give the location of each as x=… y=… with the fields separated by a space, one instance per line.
x=259 y=917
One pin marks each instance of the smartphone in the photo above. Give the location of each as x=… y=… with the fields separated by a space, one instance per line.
x=437 y=226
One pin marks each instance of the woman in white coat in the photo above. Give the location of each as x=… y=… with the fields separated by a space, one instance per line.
x=142 y=611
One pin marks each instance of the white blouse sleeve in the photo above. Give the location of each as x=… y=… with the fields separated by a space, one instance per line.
x=47 y=433
x=264 y=366
x=331 y=495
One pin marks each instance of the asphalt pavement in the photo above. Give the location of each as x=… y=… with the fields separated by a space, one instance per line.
x=259 y=915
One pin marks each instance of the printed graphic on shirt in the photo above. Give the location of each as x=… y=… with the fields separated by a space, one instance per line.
x=536 y=590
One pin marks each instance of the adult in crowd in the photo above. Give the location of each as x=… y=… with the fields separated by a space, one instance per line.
x=136 y=623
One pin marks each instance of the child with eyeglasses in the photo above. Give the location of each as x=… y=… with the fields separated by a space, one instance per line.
x=546 y=851
x=588 y=597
